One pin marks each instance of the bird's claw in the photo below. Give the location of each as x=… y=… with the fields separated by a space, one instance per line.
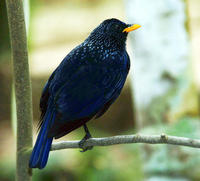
x=84 y=149
x=82 y=142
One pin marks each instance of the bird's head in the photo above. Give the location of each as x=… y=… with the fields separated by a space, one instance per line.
x=112 y=32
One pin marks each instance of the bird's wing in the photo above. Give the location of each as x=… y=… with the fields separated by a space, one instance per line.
x=87 y=91
x=44 y=99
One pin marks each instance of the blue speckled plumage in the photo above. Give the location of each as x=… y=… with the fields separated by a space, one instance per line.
x=83 y=86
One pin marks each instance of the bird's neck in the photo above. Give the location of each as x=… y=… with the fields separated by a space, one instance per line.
x=106 y=42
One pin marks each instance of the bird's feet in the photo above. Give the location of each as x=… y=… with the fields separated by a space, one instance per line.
x=85 y=138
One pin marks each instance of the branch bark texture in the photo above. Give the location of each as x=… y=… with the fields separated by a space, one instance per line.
x=127 y=139
x=22 y=86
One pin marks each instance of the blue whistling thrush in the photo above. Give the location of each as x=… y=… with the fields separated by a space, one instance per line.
x=83 y=86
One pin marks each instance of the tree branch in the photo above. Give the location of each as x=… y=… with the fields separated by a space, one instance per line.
x=22 y=83
x=125 y=139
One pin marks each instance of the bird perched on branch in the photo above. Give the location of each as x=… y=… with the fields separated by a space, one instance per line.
x=83 y=86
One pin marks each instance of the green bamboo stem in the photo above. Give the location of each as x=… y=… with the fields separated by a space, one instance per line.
x=22 y=87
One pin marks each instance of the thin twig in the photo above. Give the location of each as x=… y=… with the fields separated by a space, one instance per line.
x=127 y=139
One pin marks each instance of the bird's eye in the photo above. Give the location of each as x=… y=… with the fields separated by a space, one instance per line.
x=116 y=26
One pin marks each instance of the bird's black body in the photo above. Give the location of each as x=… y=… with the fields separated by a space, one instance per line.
x=83 y=86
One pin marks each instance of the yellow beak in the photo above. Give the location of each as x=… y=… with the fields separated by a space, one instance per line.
x=131 y=28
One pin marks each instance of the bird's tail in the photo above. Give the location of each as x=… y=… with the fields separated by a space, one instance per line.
x=43 y=143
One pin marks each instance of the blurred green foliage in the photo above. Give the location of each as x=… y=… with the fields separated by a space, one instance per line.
x=4 y=35
x=173 y=161
x=134 y=162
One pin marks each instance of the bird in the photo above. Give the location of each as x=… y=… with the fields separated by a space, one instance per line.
x=84 y=85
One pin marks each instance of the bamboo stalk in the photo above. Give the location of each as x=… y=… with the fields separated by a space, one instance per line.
x=22 y=87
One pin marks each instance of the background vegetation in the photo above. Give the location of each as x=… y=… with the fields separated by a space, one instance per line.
x=55 y=27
